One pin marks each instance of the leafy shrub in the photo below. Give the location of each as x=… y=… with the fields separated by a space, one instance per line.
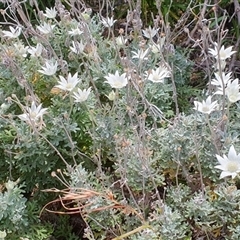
x=111 y=117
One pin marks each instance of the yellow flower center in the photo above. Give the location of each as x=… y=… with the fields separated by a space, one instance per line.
x=205 y=108
x=69 y=86
x=33 y=115
x=232 y=166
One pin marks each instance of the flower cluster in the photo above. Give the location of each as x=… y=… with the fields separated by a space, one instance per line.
x=92 y=96
x=228 y=87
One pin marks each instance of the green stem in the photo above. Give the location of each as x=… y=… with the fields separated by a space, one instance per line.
x=213 y=134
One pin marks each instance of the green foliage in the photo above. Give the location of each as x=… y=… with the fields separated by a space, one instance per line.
x=17 y=218
x=13 y=208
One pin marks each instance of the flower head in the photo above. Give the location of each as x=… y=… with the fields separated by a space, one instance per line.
x=46 y=28
x=232 y=91
x=221 y=53
x=50 y=68
x=206 y=106
x=13 y=33
x=157 y=47
x=21 y=49
x=78 y=47
x=50 y=13
x=120 y=41
x=111 y=96
x=36 y=51
x=81 y=95
x=75 y=31
x=230 y=165
x=68 y=84
x=34 y=114
x=141 y=54
x=116 y=80
x=150 y=32
x=222 y=80
x=108 y=22
x=159 y=74
x=3 y=234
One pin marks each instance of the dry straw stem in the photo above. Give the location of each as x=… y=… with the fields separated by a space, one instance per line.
x=77 y=196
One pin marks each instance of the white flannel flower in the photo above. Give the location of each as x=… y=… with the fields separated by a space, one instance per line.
x=149 y=32
x=78 y=47
x=157 y=47
x=13 y=33
x=34 y=114
x=221 y=81
x=159 y=74
x=50 y=68
x=75 y=31
x=36 y=51
x=4 y=107
x=68 y=84
x=207 y=106
x=120 y=41
x=116 y=80
x=21 y=49
x=50 y=13
x=81 y=95
x=108 y=22
x=141 y=54
x=45 y=28
x=230 y=165
x=221 y=53
x=232 y=91
x=3 y=234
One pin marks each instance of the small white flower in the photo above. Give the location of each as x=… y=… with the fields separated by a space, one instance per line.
x=75 y=31
x=46 y=28
x=4 y=107
x=36 y=51
x=108 y=22
x=207 y=106
x=78 y=47
x=120 y=41
x=81 y=95
x=10 y=186
x=13 y=33
x=68 y=84
x=50 y=13
x=3 y=234
x=141 y=54
x=116 y=80
x=157 y=47
x=33 y=114
x=230 y=165
x=221 y=53
x=21 y=49
x=221 y=81
x=50 y=68
x=111 y=96
x=159 y=74
x=232 y=91
x=220 y=64
x=150 y=32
